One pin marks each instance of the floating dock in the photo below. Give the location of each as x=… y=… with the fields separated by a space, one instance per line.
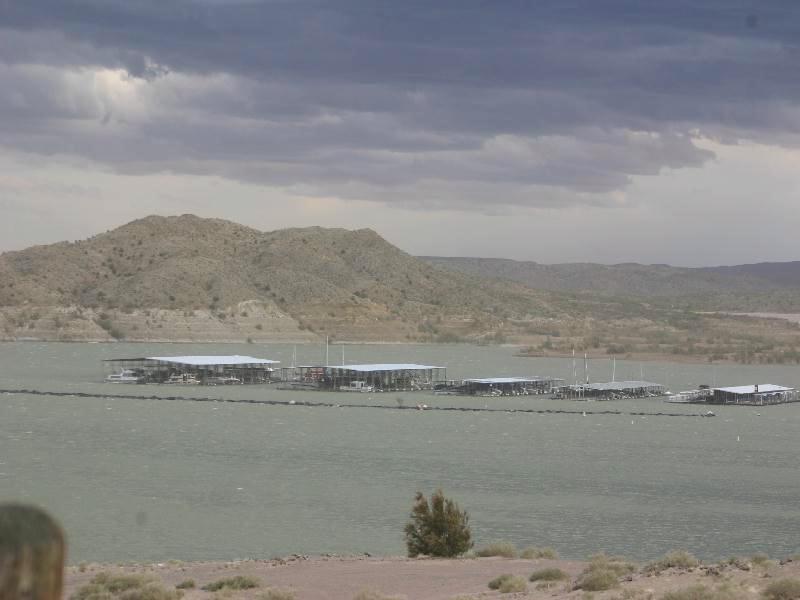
x=611 y=390
x=378 y=377
x=501 y=386
x=203 y=370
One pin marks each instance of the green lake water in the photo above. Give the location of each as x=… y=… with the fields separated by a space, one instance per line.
x=150 y=480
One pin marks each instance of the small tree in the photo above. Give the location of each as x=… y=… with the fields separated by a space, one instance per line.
x=438 y=528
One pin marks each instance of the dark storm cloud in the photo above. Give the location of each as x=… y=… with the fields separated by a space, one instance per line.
x=576 y=95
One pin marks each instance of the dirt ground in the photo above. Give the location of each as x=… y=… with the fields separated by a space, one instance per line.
x=343 y=578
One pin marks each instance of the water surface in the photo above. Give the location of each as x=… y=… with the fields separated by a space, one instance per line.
x=150 y=480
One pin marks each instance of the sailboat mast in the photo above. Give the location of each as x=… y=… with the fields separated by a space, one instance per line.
x=614 y=369
x=326 y=351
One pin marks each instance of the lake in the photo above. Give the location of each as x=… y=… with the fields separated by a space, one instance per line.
x=149 y=480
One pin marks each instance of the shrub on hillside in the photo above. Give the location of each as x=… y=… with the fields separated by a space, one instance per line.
x=437 y=528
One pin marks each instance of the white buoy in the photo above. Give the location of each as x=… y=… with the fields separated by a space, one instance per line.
x=738 y=438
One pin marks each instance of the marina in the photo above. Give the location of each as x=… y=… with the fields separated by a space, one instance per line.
x=102 y=452
x=191 y=370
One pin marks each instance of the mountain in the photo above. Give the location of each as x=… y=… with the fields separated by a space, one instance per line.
x=188 y=278
x=185 y=278
x=764 y=286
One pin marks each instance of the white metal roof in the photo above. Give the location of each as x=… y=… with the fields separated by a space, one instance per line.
x=491 y=380
x=763 y=388
x=205 y=361
x=382 y=367
x=622 y=385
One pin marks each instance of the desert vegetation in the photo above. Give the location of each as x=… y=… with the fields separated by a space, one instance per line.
x=437 y=528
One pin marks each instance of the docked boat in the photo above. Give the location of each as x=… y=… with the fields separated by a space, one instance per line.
x=357 y=386
x=182 y=379
x=223 y=381
x=124 y=376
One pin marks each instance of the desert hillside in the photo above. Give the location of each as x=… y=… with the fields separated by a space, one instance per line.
x=185 y=278
x=771 y=287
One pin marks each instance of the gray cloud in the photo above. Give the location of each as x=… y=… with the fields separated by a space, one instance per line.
x=401 y=102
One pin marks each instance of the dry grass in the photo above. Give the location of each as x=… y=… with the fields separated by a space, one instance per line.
x=107 y=586
x=783 y=589
x=534 y=553
x=504 y=549
x=676 y=559
x=239 y=582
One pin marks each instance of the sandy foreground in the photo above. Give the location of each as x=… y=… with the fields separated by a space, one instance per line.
x=342 y=578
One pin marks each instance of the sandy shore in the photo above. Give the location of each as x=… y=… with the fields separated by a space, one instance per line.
x=342 y=578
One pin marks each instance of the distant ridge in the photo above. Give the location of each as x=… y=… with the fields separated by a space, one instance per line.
x=628 y=279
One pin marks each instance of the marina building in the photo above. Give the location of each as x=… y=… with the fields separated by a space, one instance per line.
x=612 y=390
x=366 y=378
x=503 y=386
x=759 y=394
x=206 y=370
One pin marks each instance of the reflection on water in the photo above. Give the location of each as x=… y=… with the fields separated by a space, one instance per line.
x=150 y=480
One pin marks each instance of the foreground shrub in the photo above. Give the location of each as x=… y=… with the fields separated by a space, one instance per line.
x=240 y=582
x=495 y=583
x=438 y=528
x=513 y=585
x=551 y=574
x=603 y=573
x=597 y=580
x=677 y=559
x=532 y=553
x=105 y=586
x=187 y=584
x=504 y=549
x=760 y=559
x=693 y=592
x=373 y=595
x=783 y=589
x=278 y=594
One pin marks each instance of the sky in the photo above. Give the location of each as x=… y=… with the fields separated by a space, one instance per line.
x=553 y=131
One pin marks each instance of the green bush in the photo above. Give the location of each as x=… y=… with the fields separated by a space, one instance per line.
x=532 y=553
x=239 y=582
x=677 y=559
x=783 y=589
x=551 y=574
x=504 y=549
x=438 y=528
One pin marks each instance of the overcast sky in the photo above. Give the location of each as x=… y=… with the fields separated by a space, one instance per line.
x=554 y=131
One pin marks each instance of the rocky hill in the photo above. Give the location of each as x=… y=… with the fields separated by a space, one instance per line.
x=187 y=278
x=191 y=279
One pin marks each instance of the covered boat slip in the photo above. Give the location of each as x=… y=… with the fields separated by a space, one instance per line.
x=754 y=395
x=369 y=377
x=206 y=370
x=612 y=390
x=503 y=386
